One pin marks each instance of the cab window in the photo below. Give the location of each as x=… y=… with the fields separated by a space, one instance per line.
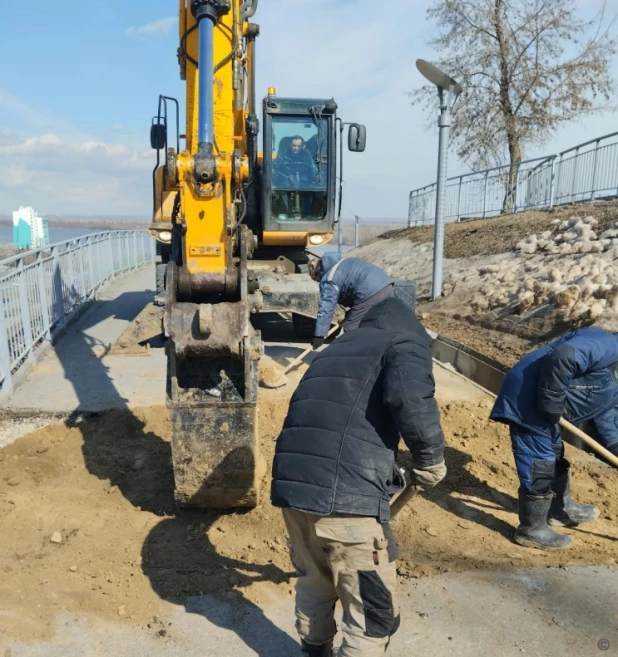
x=299 y=168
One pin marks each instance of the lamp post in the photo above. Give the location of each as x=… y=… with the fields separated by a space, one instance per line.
x=448 y=91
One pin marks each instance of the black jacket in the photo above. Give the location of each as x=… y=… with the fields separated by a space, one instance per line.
x=336 y=452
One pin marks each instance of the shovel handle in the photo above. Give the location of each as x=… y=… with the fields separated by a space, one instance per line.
x=300 y=358
x=599 y=449
x=406 y=495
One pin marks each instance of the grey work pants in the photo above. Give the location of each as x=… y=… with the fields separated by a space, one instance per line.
x=355 y=315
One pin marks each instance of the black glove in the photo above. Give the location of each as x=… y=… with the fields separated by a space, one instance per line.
x=317 y=342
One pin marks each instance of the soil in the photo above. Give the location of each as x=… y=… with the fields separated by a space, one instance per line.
x=90 y=526
x=271 y=373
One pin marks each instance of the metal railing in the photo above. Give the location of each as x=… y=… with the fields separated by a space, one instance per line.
x=41 y=289
x=583 y=173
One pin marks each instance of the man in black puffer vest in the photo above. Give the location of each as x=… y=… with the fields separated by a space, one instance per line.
x=334 y=474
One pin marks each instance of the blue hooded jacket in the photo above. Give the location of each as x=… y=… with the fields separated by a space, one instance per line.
x=575 y=377
x=347 y=281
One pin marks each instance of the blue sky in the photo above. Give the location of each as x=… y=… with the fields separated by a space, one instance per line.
x=80 y=82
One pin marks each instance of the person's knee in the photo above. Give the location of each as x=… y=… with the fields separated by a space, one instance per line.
x=315 y=616
x=314 y=629
x=542 y=476
x=378 y=605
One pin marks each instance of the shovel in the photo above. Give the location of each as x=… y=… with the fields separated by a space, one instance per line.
x=599 y=449
x=399 y=501
x=270 y=378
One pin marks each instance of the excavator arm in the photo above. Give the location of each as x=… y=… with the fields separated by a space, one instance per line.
x=233 y=226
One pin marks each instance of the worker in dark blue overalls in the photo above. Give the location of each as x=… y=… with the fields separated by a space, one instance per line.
x=575 y=377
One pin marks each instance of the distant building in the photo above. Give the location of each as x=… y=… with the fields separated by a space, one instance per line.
x=29 y=230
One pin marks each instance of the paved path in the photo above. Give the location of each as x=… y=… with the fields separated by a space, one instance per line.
x=73 y=376
x=537 y=613
x=544 y=613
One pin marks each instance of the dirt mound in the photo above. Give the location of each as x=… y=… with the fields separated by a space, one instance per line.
x=514 y=282
x=89 y=523
x=479 y=237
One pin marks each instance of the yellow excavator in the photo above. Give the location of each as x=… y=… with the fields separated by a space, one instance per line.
x=233 y=227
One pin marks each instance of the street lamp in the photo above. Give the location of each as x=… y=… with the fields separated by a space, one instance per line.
x=448 y=91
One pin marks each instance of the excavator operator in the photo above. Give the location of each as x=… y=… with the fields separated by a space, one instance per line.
x=295 y=168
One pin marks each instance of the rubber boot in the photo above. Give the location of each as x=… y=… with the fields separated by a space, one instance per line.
x=564 y=512
x=533 y=530
x=308 y=650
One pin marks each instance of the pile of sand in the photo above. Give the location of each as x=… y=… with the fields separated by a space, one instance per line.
x=89 y=523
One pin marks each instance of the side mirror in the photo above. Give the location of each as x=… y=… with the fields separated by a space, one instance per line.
x=158 y=136
x=357 y=138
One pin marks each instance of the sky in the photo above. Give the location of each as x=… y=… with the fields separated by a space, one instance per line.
x=80 y=83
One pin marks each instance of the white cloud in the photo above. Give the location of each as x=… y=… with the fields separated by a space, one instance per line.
x=33 y=145
x=59 y=174
x=15 y=175
x=158 y=28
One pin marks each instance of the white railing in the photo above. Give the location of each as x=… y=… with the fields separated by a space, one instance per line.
x=41 y=289
x=585 y=172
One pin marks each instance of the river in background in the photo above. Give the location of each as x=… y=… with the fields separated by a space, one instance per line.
x=55 y=234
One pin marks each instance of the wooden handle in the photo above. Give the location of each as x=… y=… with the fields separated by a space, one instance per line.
x=599 y=449
x=300 y=358
x=402 y=499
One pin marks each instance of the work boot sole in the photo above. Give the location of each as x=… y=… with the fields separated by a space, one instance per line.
x=524 y=541
x=555 y=522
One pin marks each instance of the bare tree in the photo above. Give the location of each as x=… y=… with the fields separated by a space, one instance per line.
x=526 y=68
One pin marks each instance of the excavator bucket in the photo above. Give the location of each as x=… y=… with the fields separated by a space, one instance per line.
x=214 y=438
x=213 y=358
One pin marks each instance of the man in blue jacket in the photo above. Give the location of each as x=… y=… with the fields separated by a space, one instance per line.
x=575 y=377
x=351 y=282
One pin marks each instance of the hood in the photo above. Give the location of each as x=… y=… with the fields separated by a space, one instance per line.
x=396 y=316
x=328 y=260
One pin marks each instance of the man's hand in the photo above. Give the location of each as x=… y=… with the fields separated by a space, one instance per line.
x=317 y=342
x=429 y=476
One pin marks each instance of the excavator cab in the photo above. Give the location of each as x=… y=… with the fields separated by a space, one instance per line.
x=299 y=168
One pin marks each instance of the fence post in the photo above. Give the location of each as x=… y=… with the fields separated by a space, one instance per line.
x=58 y=289
x=594 y=169
x=90 y=256
x=552 y=182
x=26 y=321
x=485 y=193
x=575 y=171
x=112 y=267
x=82 y=268
x=43 y=296
x=5 y=353
x=459 y=198
x=135 y=249
x=410 y=199
x=356 y=230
